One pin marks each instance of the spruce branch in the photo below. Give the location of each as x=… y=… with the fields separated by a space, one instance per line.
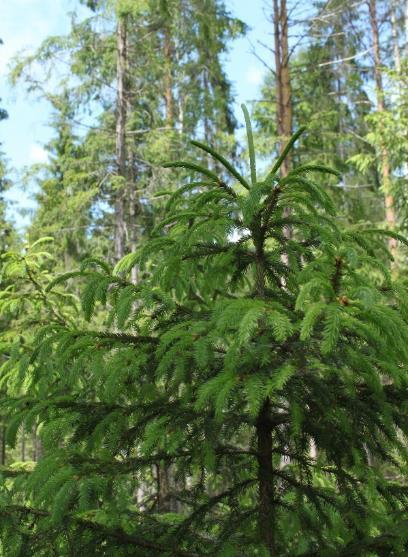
x=119 y=535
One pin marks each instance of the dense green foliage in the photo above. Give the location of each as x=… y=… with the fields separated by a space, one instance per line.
x=239 y=349
x=174 y=86
x=332 y=74
x=203 y=353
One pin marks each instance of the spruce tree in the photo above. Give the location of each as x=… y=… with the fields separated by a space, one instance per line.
x=7 y=241
x=128 y=100
x=331 y=81
x=67 y=194
x=6 y=232
x=236 y=351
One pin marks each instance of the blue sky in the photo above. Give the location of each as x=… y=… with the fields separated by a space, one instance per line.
x=26 y=23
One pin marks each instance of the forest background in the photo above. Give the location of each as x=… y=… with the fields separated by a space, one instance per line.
x=246 y=59
x=103 y=103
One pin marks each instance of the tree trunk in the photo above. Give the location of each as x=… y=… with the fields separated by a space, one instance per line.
x=121 y=116
x=36 y=442
x=23 y=443
x=164 y=479
x=287 y=115
x=168 y=51
x=3 y=444
x=394 y=33
x=263 y=431
x=283 y=87
x=206 y=123
x=283 y=93
x=181 y=114
x=385 y=162
x=266 y=504
x=278 y=67
x=133 y=201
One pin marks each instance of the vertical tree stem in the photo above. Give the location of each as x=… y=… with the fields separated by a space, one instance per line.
x=121 y=117
x=385 y=159
x=266 y=506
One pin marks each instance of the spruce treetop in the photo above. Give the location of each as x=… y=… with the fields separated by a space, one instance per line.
x=261 y=358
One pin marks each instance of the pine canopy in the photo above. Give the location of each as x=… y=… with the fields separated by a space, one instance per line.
x=246 y=397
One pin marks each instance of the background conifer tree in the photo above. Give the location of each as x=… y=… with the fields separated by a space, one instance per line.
x=8 y=241
x=137 y=80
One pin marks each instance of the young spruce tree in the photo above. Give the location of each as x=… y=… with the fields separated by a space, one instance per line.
x=238 y=350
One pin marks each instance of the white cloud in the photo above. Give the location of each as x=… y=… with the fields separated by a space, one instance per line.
x=254 y=76
x=36 y=154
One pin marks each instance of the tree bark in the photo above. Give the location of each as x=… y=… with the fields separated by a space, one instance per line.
x=287 y=115
x=266 y=505
x=165 y=482
x=278 y=66
x=206 y=123
x=283 y=88
x=394 y=34
x=135 y=209
x=23 y=444
x=263 y=432
x=121 y=117
x=283 y=93
x=168 y=51
x=3 y=453
x=385 y=160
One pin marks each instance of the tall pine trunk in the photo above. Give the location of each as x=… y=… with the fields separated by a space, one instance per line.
x=165 y=474
x=385 y=159
x=283 y=87
x=121 y=116
x=133 y=200
x=283 y=93
x=168 y=53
